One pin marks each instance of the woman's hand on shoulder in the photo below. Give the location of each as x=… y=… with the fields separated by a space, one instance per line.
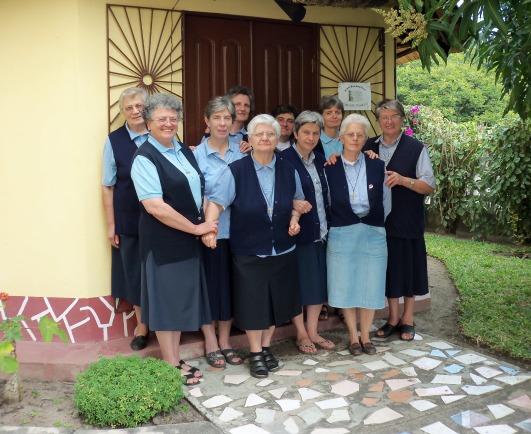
x=371 y=154
x=332 y=159
x=245 y=147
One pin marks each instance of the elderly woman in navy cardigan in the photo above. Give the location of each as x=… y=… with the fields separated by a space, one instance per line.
x=357 y=249
x=311 y=241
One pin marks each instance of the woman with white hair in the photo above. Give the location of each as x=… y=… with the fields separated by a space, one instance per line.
x=357 y=251
x=260 y=192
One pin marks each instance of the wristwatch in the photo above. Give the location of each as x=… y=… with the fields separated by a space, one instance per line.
x=411 y=183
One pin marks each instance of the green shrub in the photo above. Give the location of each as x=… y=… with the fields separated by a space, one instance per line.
x=127 y=391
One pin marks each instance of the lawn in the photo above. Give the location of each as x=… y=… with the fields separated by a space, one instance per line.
x=494 y=291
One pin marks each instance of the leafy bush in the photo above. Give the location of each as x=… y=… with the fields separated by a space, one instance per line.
x=127 y=391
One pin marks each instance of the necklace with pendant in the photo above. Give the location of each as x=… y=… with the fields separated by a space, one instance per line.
x=353 y=186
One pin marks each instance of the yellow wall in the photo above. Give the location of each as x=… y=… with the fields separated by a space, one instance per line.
x=54 y=107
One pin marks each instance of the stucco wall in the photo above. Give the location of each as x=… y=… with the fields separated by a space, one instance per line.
x=54 y=102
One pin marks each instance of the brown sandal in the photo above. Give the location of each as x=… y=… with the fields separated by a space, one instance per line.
x=355 y=349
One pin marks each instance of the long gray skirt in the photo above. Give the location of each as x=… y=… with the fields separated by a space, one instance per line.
x=125 y=270
x=174 y=296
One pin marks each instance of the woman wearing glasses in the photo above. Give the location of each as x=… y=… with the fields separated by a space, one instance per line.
x=260 y=191
x=410 y=177
x=170 y=187
x=356 y=255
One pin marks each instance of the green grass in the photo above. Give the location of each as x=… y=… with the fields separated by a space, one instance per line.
x=494 y=291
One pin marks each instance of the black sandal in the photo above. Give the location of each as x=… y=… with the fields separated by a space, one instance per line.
x=215 y=356
x=368 y=348
x=408 y=330
x=257 y=366
x=189 y=377
x=191 y=369
x=230 y=355
x=387 y=330
x=270 y=360
x=323 y=315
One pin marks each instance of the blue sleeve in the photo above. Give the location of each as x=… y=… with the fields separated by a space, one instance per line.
x=109 y=165
x=299 y=195
x=387 y=200
x=146 y=178
x=424 y=169
x=224 y=190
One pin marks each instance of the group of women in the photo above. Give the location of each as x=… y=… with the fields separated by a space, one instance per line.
x=279 y=230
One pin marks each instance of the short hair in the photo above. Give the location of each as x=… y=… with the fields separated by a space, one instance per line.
x=162 y=100
x=263 y=119
x=220 y=103
x=241 y=90
x=355 y=118
x=329 y=101
x=308 y=117
x=390 y=104
x=129 y=93
x=285 y=108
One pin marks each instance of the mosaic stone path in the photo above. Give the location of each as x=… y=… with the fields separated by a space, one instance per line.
x=424 y=386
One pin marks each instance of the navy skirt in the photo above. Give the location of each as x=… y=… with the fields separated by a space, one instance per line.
x=218 y=272
x=266 y=290
x=407 y=268
x=311 y=259
x=125 y=270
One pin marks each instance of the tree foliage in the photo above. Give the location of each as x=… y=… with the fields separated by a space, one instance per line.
x=494 y=32
x=461 y=92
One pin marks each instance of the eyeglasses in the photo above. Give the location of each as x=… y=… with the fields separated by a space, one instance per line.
x=163 y=121
x=268 y=134
x=390 y=118
x=130 y=108
x=355 y=136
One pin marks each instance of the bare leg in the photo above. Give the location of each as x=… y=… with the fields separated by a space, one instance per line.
x=312 y=319
x=167 y=341
x=255 y=340
x=211 y=342
x=224 y=341
x=407 y=317
x=303 y=341
x=394 y=313
x=141 y=328
x=351 y=323
x=266 y=336
x=366 y=319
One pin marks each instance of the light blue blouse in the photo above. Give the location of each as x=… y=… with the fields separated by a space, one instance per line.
x=331 y=146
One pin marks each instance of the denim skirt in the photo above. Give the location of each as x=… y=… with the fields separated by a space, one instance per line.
x=356 y=260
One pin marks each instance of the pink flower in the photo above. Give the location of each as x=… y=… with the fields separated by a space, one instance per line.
x=414 y=109
x=409 y=131
x=415 y=121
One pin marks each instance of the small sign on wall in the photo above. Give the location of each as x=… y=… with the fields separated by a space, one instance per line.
x=355 y=96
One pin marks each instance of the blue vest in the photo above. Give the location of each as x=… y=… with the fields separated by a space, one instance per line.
x=309 y=222
x=167 y=244
x=251 y=230
x=125 y=201
x=406 y=219
x=341 y=213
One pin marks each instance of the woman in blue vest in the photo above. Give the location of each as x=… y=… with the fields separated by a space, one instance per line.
x=357 y=251
x=311 y=241
x=170 y=187
x=332 y=111
x=121 y=207
x=410 y=177
x=213 y=155
x=260 y=191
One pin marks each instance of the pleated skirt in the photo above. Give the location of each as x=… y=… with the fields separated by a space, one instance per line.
x=356 y=260
x=218 y=272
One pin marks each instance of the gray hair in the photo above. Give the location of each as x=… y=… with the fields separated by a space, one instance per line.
x=308 y=117
x=162 y=100
x=220 y=103
x=329 y=101
x=355 y=118
x=390 y=104
x=129 y=93
x=263 y=119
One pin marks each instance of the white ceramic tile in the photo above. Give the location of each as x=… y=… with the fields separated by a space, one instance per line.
x=330 y=431
x=423 y=405
x=341 y=415
x=288 y=404
x=332 y=403
x=196 y=392
x=525 y=425
x=469 y=419
x=414 y=353
x=409 y=371
x=382 y=415
x=216 y=401
x=229 y=414
x=469 y=359
x=265 y=416
x=438 y=353
x=370 y=375
x=479 y=390
x=452 y=353
x=446 y=379
x=418 y=337
x=376 y=366
x=253 y=399
x=488 y=372
x=321 y=370
x=440 y=345
x=248 y=429
x=393 y=360
x=454 y=368
x=438 y=428
x=277 y=393
x=434 y=391
x=235 y=379
x=522 y=401
x=500 y=410
x=311 y=415
x=289 y=373
x=310 y=362
x=344 y=353
x=291 y=426
x=345 y=388
x=341 y=363
x=451 y=398
x=307 y=394
x=513 y=379
x=495 y=429
x=509 y=370
x=426 y=363
x=265 y=382
x=477 y=379
x=381 y=349
x=400 y=383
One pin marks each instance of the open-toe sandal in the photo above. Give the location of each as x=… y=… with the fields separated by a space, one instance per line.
x=193 y=370
x=323 y=315
x=325 y=344
x=368 y=348
x=339 y=313
x=270 y=360
x=306 y=348
x=231 y=356
x=408 y=330
x=387 y=330
x=216 y=356
x=257 y=366
x=355 y=349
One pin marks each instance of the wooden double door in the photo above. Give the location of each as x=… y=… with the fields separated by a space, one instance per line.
x=277 y=60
